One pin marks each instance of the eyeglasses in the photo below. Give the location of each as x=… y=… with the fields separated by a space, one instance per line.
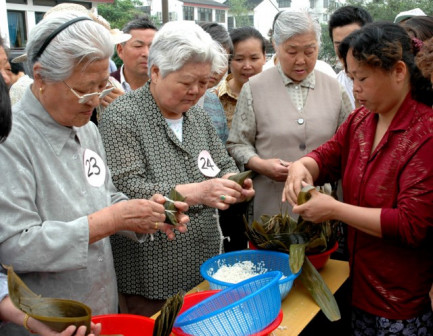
x=88 y=96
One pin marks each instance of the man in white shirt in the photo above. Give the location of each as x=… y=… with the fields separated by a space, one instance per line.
x=134 y=53
x=341 y=23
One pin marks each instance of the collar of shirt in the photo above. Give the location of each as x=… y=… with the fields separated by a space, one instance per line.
x=405 y=114
x=308 y=82
x=224 y=88
x=57 y=135
x=123 y=81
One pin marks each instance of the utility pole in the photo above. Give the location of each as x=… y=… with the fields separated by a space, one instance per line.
x=164 y=11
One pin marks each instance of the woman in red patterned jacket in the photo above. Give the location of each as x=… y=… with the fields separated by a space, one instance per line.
x=383 y=155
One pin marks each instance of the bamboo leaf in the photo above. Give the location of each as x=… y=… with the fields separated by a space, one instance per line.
x=170 y=209
x=304 y=194
x=241 y=177
x=297 y=256
x=164 y=322
x=57 y=314
x=320 y=292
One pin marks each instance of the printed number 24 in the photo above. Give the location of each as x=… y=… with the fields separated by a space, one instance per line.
x=206 y=163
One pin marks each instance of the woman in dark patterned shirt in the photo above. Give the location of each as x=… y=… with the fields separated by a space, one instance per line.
x=157 y=139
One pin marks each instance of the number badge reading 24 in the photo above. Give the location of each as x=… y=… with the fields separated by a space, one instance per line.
x=94 y=168
x=206 y=165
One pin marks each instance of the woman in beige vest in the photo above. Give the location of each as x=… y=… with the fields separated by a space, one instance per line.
x=285 y=111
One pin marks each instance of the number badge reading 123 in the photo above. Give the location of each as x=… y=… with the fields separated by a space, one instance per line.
x=94 y=168
x=206 y=165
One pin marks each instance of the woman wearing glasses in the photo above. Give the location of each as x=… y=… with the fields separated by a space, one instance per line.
x=57 y=200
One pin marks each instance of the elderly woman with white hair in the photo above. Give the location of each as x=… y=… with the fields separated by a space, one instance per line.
x=157 y=139
x=285 y=111
x=58 y=203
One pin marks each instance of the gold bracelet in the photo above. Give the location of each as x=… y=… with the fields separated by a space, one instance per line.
x=26 y=319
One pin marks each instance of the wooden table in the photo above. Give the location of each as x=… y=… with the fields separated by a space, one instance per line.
x=298 y=307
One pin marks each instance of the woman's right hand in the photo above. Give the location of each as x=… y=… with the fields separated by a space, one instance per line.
x=298 y=173
x=137 y=215
x=275 y=169
x=147 y=216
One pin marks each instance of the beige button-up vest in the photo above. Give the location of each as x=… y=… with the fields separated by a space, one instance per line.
x=286 y=133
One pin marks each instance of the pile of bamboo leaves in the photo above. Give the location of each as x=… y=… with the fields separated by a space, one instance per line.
x=298 y=238
x=165 y=320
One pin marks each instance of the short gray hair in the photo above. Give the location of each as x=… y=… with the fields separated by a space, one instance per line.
x=82 y=41
x=180 y=42
x=291 y=23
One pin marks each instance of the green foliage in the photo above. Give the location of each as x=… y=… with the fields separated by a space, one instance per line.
x=380 y=10
x=326 y=52
x=388 y=9
x=120 y=12
x=239 y=10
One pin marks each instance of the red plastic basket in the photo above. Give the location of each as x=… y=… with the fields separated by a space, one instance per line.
x=318 y=260
x=125 y=324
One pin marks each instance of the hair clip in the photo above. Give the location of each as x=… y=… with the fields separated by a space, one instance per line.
x=416 y=44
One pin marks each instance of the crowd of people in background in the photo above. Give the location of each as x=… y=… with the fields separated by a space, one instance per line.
x=90 y=154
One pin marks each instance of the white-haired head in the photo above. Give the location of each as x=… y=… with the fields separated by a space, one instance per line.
x=296 y=22
x=82 y=42
x=180 y=42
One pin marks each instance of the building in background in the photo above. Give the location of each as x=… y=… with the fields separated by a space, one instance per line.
x=191 y=10
x=261 y=12
x=18 y=17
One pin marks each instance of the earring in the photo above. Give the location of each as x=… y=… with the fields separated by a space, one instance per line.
x=41 y=90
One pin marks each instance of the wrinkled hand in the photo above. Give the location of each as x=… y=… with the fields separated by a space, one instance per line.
x=220 y=192
x=181 y=217
x=297 y=174
x=43 y=330
x=275 y=169
x=318 y=208
x=141 y=216
x=108 y=99
x=247 y=190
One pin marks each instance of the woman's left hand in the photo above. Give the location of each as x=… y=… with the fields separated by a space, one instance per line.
x=181 y=217
x=219 y=192
x=319 y=208
x=247 y=190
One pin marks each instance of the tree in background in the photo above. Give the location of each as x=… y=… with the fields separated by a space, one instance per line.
x=388 y=9
x=120 y=12
x=239 y=9
x=326 y=52
x=380 y=10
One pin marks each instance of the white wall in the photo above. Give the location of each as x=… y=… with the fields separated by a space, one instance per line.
x=4 y=31
x=29 y=10
x=264 y=15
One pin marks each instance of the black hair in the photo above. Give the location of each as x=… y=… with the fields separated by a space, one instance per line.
x=219 y=33
x=244 y=33
x=139 y=23
x=347 y=15
x=420 y=27
x=5 y=111
x=16 y=67
x=5 y=107
x=382 y=45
